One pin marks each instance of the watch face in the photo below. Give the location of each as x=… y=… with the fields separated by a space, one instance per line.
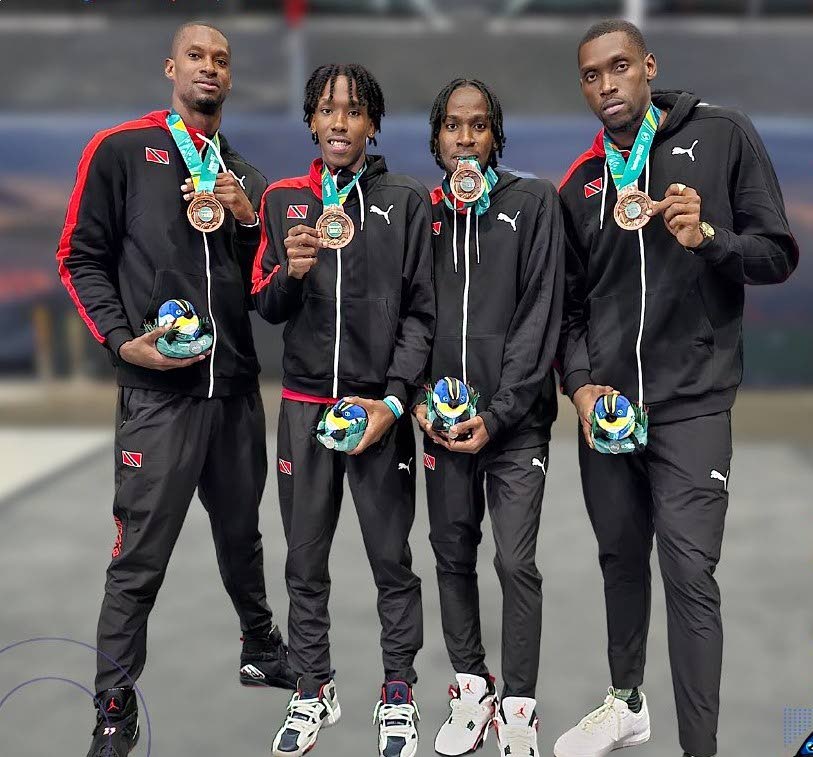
x=707 y=230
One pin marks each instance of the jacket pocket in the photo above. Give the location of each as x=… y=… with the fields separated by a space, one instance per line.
x=367 y=339
x=611 y=336
x=170 y=284
x=309 y=337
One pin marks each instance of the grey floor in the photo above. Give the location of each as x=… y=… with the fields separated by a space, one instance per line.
x=55 y=541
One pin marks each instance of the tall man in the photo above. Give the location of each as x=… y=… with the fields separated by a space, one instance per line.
x=499 y=280
x=654 y=311
x=127 y=247
x=360 y=317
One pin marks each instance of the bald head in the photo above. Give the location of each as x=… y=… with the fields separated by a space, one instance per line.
x=189 y=29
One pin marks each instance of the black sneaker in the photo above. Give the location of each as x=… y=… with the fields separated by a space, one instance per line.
x=264 y=662
x=116 y=732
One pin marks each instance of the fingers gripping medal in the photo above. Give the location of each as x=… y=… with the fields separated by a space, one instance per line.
x=342 y=426
x=467 y=182
x=618 y=426
x=449 y=402
x=205 y=211
x=633 y=206
x=335 y=227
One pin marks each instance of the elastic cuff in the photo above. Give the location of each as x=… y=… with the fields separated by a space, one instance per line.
x=575 y=380
x=254 y=225
x=287 y=284
x=713 y=251
x=117 y=337
x=493 y=426
x=397 y=389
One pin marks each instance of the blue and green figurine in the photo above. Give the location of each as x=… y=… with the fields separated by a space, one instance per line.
x=189 y=334
x=342 y=426
x=618 y=426
x=450 y=401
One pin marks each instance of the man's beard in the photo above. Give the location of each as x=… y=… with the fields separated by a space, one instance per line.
x=208 y=105
x=630 y=126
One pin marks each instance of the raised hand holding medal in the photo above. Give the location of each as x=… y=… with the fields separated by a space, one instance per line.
x=634 y=208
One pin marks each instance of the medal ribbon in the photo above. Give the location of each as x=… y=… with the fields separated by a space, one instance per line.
x=626 y=172
x=482 y=204
x=333 y=196
x=202 y=170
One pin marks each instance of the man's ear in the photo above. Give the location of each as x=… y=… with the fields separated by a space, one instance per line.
x=169 y=68
x=651 y=66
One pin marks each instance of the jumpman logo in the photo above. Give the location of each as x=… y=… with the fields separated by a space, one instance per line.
x=405 y=466
x=385 y=214
x=113 y=707
x=508 y=220
x=467 y=688
x=520 y=713
x=686 y=150
x=720 y=477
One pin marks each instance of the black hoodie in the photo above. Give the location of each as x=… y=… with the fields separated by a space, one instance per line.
x=127 y=247
x=659 y=323
x=499 y=279
x=361 y=320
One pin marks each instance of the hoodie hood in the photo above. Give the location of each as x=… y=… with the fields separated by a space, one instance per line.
x=159 y=118
x=376 y=167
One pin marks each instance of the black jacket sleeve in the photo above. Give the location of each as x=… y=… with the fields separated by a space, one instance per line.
x=90 y=242
x=530 y=344
x=247 y=237
x=276 y=295
x=759 y=249
x=416 y=322
x=573 y=357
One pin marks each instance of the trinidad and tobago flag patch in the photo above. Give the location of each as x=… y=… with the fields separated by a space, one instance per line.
x=131 y=459
x=593 y=187
x=436 y=228
x=297 y=211
x=428 y=461
x=285 y=467
x=156 y=156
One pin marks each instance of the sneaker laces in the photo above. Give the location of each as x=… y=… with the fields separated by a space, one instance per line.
x=465 y=711
x=519 y=736
x=303 y=713
x=396 y=719
x=596 y=719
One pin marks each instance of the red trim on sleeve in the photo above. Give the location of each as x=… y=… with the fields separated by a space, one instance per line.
x=596 y=151
x=64 y=249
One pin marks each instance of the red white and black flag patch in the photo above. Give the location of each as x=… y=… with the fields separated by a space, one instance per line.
x=156 y=156
x=428 y=461
x=436 y=228
x=285 y=467
x=131 y=459
x=297 y=211
x=593 y=187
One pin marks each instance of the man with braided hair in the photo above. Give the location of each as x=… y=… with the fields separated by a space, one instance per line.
x=360 y=313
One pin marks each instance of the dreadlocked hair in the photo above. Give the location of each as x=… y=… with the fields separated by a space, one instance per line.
x=363 y=87
x=438 y=114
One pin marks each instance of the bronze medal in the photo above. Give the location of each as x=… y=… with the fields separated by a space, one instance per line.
x=467 y=183
x=205 y=212
x=631 y=209
x=335 y=227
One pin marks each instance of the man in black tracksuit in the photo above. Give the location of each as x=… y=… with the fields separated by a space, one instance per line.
x=656 y=314
x=181 y=424
x=359 y=322
x=499 y=282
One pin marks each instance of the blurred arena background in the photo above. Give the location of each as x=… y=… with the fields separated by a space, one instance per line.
x=73 y=67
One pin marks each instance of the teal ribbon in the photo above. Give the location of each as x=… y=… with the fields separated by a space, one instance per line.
x=202 y=170
x=333 y=196
x=626 y=172
x=483 y=203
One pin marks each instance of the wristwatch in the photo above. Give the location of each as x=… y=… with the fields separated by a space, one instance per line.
x=707 y=230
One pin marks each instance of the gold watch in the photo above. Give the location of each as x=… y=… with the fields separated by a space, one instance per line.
x=707 y=230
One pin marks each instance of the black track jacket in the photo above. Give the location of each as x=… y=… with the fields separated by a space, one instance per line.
x=639 y=306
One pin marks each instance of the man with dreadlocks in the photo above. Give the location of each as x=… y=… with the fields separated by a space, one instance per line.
x=360 y=312
x=499 y=278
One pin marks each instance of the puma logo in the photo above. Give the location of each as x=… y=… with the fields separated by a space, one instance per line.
x=385 y=214
x=508 y=220
x=405 y=466
x=241 y=180
x=720 y=477
x=686 y=150
x=537 y=463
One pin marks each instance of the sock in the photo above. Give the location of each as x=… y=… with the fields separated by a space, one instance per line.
x=631 y=697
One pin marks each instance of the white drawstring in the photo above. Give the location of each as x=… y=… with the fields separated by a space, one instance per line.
x=361 y=201
x=454 y=239
x=477 y=236
x=466 y=296
x=217 y=152
x=643 y=299
x=603 y=197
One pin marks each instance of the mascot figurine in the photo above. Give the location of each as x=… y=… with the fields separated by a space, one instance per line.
x=618 y=426
x=450 y=402
x=187 y=335
x=342 y=426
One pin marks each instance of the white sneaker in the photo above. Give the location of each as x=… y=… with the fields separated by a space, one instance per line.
x=397 y=713
x=516 y=726
x=612 y=726
x=473 y=708
x=306 y=716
